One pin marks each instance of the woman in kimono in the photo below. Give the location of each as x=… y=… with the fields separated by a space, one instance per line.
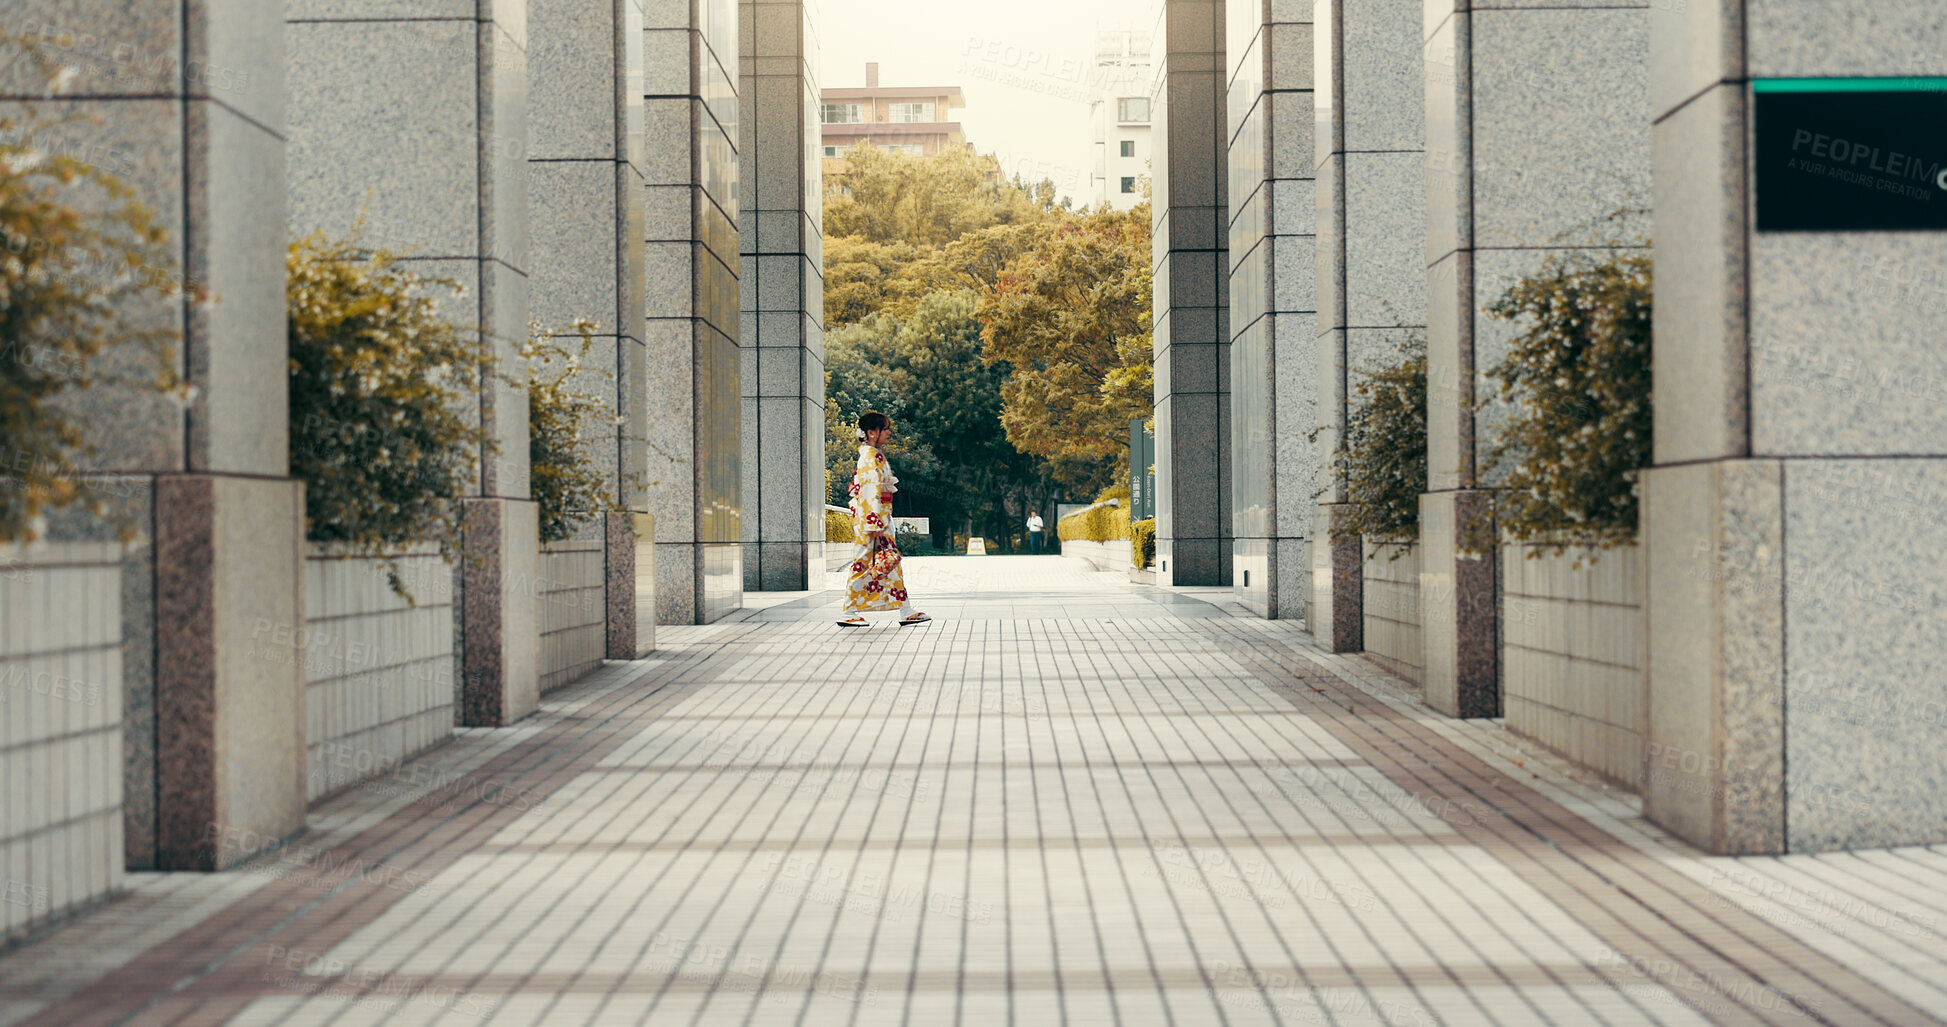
x=876 y=581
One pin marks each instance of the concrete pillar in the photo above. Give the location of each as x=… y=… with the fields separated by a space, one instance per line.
x=1371 y=136
x=187 y=108
x=690 y=117
x=783 y=298
x=585 y=203
x=415 y=120
x=1273 y=258
x=1192 y=302
x=1534 y=136
x=1793 y=517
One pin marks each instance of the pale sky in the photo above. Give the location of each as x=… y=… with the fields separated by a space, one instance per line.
x=1023 y=64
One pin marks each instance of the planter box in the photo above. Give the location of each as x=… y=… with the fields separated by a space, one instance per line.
x=574 y=615
x=379 y=679
x=1572 y=657
x=61 y=748
x=1392 y=609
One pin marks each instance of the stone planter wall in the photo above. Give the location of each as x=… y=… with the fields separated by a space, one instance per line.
x=1572 y=656
x=378 y=667
x=573 y=613
x=60 y=731
x=1392 y=609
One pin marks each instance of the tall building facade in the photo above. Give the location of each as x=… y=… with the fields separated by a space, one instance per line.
x=1119 y=114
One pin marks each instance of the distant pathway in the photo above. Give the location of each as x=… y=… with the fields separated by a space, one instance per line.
x=1069 y=800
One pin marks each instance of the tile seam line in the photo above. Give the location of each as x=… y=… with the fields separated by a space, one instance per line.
x=1132 y=799
x=1535 y=857
x=804 y=823
x=651 y=782
x=1327 y=838
x=1488 y=772
x=865 y=974
x=220 y=962
x=864 y=834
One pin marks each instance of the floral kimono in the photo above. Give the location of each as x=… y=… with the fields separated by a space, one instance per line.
x=876 y=582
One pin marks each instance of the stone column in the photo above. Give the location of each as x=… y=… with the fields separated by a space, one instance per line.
x=1795 y=615
x=1534 y=137
x=783 y=298
x=413 y=117
x=1371 y=245
x=187 y=107
x=690 y=116
x=1273 y=259
x=585 y=199
x=1192 y=301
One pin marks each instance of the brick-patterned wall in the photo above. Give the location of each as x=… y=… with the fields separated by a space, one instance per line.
x=1571 y=656
x=60 y=730
x=573 y=616
x=1392 y=609
x=378 y=668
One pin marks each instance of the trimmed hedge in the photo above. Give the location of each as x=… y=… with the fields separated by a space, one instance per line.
x=1102 y=522
x=1142 y=542
x=838 y=526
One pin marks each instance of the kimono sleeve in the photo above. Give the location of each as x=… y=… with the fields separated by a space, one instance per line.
x=869 y=502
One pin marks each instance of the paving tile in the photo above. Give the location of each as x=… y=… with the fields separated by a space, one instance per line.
x=1067 y=800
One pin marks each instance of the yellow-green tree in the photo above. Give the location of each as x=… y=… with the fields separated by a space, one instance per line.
x=1071 y=318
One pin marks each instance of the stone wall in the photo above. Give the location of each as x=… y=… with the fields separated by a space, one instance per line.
x=1537 y=146
x=572 y=614
x=1370 y=270
x=1191 y=335
x=1391 y=590
x=585 y=215
x=1270 y=224
x=693 y=416
x=1796 y=611
x=1572 y=655
x=378 y=666
x=782 y=299
x=60 y=730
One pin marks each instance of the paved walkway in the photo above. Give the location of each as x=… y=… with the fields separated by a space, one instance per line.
x=1069 y=800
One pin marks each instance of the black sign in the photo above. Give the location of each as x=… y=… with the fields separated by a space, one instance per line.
x=1851 y=155
x=1142 y=470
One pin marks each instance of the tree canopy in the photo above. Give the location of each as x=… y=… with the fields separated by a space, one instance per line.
x=1005 y=334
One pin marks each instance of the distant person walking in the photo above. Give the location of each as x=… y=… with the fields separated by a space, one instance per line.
x=1034 y=533
x=877 y=582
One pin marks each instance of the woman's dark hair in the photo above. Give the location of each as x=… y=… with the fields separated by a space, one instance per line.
x=872 y=420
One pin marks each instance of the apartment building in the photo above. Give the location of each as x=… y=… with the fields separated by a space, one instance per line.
x=1120 y=117
x=898 y=119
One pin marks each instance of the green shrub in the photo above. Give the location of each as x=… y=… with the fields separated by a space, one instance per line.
x=1142 y=542
x=1098 y=523
x=1382 y=455
x=79 y=254
x=562 y=479
x=1578 y=379
x=384 y=394
x=912 y=543
x=838 y=526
